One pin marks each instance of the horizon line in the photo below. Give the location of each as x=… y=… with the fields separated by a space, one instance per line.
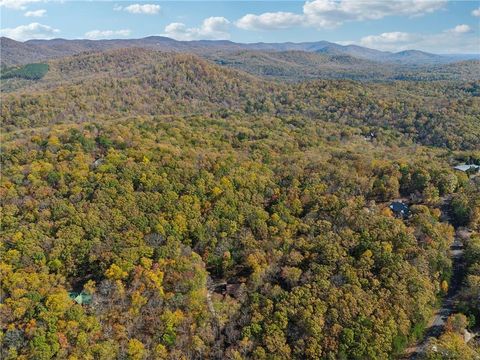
x=240 y=43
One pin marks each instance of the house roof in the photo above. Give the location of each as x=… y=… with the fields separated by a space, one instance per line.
x=81 y=298
x=466 y=167
x=399 y=207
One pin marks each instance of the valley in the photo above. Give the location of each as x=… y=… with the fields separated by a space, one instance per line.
x=167 y=199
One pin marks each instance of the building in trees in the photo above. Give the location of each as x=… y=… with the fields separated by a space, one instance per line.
x=467 y=168
x=81 y=298
x=400 y=209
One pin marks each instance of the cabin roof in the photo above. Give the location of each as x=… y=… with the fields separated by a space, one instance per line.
x=81 y=298
x=399 y=207
x=466 y=167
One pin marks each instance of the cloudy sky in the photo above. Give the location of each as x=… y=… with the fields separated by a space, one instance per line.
x=439 y=26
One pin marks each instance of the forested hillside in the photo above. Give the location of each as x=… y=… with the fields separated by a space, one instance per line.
x=301 y=65
x=21 y=53
x=139 y=82
x=284 y=61
x=205 y=213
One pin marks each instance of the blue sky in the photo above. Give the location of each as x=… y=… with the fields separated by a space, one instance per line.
x=431 y=25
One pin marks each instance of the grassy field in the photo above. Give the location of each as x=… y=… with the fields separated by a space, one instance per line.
x=29 y=72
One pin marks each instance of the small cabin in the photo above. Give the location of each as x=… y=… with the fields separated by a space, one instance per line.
x=97 y=163
x=231 y=289
x=370 y=136
x=81 y=298
x=467 y=168
x=400 y=209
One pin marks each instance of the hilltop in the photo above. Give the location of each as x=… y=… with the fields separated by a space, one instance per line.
x=133 y=82
x=283 y=61
x=296 y=65
x=18 y=53
x=195 y=205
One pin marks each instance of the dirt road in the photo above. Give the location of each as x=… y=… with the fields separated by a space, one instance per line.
x=438 y=319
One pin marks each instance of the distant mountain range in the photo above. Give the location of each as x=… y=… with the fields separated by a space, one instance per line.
x=18 y=53
x=302 y=65
x=120 y=83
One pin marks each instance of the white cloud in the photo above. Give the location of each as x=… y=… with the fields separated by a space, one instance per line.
x=332 y=13
x=30 y=31
x=148 y=9
x=395 y=38
x=460 y=29
x=457 y=40
x=214 y=28
x=16 y=4
x=269 y=21
x=476 y=12
x=36 y=13
x=105 y=34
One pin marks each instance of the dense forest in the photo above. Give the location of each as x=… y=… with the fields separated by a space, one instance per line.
x=206 y=213
x=300 y=65
x=139 y=82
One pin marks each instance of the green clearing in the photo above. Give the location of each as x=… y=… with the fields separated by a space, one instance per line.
x=29 y=72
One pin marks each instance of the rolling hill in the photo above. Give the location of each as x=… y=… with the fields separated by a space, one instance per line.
x=136 y=82
x=170 y=205
x=17 y=53
x=300 y=65
x=320 y=60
